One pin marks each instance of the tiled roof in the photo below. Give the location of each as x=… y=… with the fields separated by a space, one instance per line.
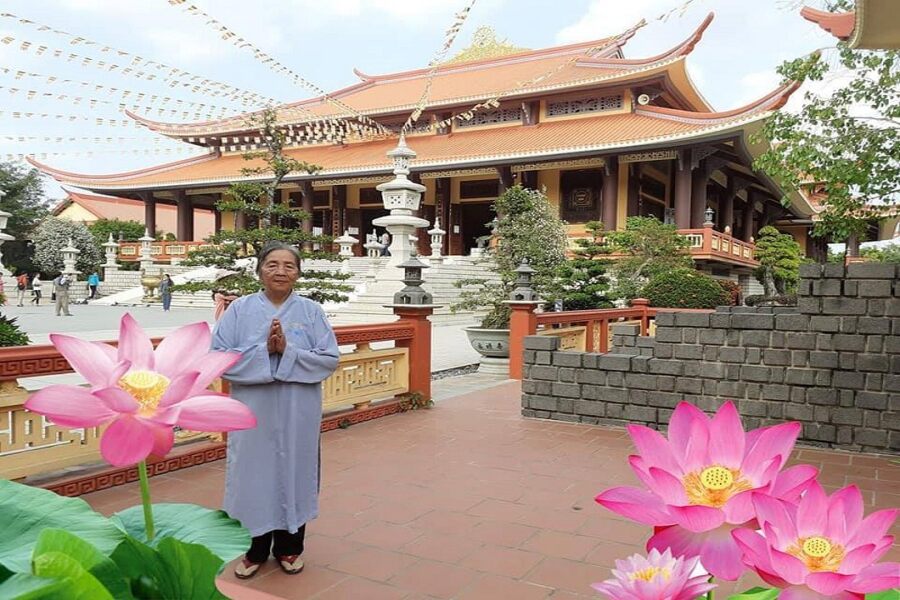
x=562 y=67
x=632 y=130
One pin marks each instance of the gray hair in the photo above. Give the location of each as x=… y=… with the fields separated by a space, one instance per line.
x=271 y=247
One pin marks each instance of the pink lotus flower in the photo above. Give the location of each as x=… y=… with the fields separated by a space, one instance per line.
x=143 y=393
x=821 y=547
x=656 y=577
x=699 y=482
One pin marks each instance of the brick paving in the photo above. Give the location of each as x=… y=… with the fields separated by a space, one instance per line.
x=469 y=501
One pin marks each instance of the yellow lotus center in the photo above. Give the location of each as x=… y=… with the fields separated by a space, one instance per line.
x=714 y=486
x=818 y=553
x=146 y=387
x=649 y=573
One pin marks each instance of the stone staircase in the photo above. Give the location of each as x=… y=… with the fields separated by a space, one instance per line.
x=374 y=287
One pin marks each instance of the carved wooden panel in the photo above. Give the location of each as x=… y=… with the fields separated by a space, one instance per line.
x=365 y=374
x=571 y=339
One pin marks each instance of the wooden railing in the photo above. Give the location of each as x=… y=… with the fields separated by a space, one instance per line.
x=708 y=244
x=32 y=446
x=578 y=330
x=160 y=251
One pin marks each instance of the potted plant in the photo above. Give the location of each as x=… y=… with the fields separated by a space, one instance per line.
x=528 y=228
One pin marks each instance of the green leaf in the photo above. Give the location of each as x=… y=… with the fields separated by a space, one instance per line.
x=23 y=586
x=80 y=584
x=26 y=511
x=225 y=537
x=757 y=593
x=172 y=571
x=101 y=567
x=885 y=595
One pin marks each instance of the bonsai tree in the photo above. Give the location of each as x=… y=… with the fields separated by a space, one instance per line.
x=779 y=259
x=259 y=201
x=583 y=278
x=53 y=234
x=528 y=228
x=650 y=248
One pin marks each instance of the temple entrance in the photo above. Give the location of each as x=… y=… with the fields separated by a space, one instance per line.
x=366 y=216
x=474 y=217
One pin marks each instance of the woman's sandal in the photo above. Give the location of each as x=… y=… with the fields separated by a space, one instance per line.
x=246 y=569
x=290 y=564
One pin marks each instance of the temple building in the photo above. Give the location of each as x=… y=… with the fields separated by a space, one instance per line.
x=606 y=136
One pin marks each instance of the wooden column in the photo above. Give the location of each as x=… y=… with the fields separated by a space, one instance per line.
x=149 y=212
x=217 y=227
x=609 y=195
x=184 y=217
x=726 y=208
x=522 y=322
x=633 y=206
x=306 y=203
x=506 y=179
x=683 y=190
x=747 y=225
x=699 y=179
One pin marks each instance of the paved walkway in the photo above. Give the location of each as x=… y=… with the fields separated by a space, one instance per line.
x=468 y=501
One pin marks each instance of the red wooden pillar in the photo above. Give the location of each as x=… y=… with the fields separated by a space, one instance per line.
x=184 y=217
x=419 y=347
x=609 y=196
x=306 y=203
x=522 y=322
x=683 y=190
x=699 y=179
x=149 y=212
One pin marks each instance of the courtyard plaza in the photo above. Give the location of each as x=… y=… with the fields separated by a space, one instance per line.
x=469 y=500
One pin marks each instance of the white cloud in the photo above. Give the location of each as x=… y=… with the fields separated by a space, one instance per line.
x=187 y=48
x=610 y=17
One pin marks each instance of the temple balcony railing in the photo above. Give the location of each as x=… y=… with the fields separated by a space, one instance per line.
x=161 y=251
x=707 y=244
x=368 y=383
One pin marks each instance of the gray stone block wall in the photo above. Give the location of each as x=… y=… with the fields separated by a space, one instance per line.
x=832 y=363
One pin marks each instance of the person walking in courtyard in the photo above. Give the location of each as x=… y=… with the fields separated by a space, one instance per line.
x=385 y=244
x=36 y=289
x=61 y=289
x=272 y=473
x=165 y=291
x=93 y=284
x=21 y=286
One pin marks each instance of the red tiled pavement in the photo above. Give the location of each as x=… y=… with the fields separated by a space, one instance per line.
x=471 y=501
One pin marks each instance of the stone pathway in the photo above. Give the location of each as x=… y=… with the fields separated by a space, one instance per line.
x=468 y=501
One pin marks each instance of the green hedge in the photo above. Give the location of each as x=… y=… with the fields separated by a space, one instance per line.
x=10 y=334
x=685 y=288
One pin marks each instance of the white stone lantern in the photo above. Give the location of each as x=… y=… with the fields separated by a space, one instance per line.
x=402 y=198
x=437 y=241
x=146 y=256
x=110 y=251
x=346 y=242
x=70 y=257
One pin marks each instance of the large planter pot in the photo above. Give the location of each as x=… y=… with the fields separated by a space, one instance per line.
x=492 y=343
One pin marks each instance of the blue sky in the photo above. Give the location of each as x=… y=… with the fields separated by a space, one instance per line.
x=323 y=40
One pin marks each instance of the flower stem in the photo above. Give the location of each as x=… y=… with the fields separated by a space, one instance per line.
x=145 y=499
x=710 y=595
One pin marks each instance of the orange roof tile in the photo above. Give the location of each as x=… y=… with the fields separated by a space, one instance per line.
x=547 y=140
x=560 y=67
x=125 y=209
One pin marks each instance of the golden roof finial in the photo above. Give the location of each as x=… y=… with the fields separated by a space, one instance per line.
x=485 y=44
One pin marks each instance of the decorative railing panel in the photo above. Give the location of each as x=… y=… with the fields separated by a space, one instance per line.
x=159 y=251
x=708 y=244
x=29 y=445
x=571 y=339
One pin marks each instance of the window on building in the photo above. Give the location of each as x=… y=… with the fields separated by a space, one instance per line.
x=588 y=104
x=369 y=196
x=492 y=117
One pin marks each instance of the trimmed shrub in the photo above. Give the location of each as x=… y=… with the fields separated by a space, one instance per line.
x=733 y=289
x=777 y=300
x=685 y=288
x=10 y=334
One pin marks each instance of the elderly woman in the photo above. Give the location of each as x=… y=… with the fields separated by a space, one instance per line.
x=272 y=472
